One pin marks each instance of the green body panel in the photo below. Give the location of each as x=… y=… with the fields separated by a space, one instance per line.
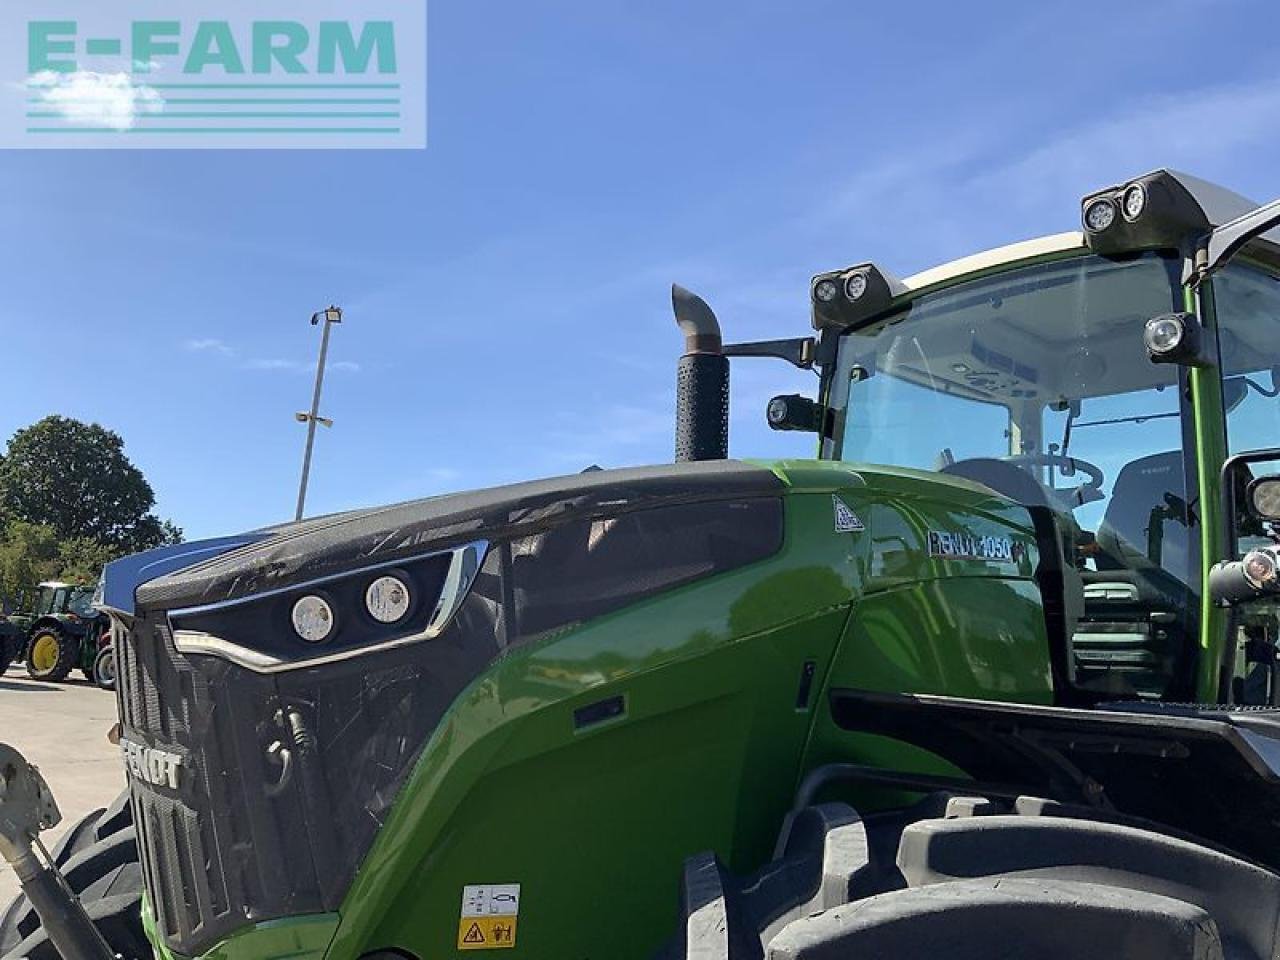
x=293 y=938
x=1211 y=452
x=715 y=733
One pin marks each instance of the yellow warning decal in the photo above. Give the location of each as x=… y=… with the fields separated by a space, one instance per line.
x=486 y=933
x=488 y=917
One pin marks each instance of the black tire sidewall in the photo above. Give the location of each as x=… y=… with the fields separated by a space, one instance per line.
x=68 y=647
x=103 y=655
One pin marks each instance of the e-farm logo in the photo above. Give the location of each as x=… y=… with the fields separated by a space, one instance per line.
x=194 y=73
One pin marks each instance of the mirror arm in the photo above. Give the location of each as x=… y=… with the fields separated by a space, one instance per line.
x=1225 y=241
x=798 y=351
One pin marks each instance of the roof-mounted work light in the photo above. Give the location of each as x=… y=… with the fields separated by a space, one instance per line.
x=1161 y=210
x=845 y=298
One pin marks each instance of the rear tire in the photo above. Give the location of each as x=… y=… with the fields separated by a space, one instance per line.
x=104 y=668
x=969 y=878
x=51 y=654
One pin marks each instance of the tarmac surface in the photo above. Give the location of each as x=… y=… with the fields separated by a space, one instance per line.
x=62 y=729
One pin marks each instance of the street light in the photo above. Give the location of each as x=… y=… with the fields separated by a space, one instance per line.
x=330 y=315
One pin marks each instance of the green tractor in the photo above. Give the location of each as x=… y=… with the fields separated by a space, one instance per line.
x=13 y=637
x=994 y=674
x=64 y=632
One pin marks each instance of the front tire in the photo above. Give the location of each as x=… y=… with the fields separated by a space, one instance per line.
x=99 y=858
x=51 y=654
x=104 y=668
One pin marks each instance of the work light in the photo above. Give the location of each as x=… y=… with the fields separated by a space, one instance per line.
x=1099 y=215
x=312 y=618
x=387 y=599
x=867 y=291
x=1260 y=569
x=1174 y=338
x=1164 y=334
x=1134 y=201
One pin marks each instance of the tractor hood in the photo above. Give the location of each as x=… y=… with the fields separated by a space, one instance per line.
x=266 y=756
x=314 y=549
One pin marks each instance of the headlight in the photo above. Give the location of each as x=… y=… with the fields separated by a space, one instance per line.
x=1099 y=215
x=338 y=616
x=312 y=618
x=387 y=599
x=1134 y=201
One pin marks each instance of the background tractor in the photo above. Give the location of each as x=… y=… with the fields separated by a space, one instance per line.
x=13 y=640
x=65 y=632
x=995 y=674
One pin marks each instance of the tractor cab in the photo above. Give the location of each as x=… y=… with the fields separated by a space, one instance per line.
x=1048 y=372
x=66 y=632
x=57 y=599
x=1035 y=383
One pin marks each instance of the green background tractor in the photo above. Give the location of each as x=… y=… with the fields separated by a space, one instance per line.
x=65 y=633
x=994 y=674
x=13 y=639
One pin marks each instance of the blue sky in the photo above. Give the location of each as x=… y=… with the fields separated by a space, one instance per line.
x=507 y=289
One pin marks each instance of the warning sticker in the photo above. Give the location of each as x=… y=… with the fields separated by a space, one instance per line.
x=488 y=919
x=846 y=520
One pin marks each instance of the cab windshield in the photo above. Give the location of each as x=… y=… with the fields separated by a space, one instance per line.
x=81 y=602
x=1035 y=382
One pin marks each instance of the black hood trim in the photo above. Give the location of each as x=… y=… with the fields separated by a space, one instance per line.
x=296 y=553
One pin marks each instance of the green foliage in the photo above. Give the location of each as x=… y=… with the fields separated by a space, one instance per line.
x=28 y=554
x=70 y=502
x=75 y=478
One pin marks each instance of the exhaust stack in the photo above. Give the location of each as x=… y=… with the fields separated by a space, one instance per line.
x=702 y=381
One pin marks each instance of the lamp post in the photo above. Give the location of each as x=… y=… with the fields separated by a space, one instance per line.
x=330 y=315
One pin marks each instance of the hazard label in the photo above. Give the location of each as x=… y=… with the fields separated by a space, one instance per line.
x=846 y=520
x=488 y=917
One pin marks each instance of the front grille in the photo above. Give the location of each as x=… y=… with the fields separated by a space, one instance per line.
x=235 y=844
x=216 y=851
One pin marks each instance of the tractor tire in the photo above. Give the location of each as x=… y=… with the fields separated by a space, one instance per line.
x=51 y=654
x=976 y=880
x=104 y=668
x=99 y=858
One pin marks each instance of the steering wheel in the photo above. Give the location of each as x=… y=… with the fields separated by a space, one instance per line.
x=1088 y=492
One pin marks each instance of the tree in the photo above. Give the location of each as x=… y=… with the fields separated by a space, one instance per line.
x=80 y=560
x=74 y=478
x=28 y=554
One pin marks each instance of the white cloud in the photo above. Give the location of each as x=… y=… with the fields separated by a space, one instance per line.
x=966 y=185
x=208 y=345
x=89 y=99
x=1199 y=131
x=265 y=363
x=298 y=366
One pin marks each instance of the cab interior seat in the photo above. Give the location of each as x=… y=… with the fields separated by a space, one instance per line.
x=1135 y=599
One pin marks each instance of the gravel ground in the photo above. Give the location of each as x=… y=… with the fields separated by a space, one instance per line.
x=62 y=729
